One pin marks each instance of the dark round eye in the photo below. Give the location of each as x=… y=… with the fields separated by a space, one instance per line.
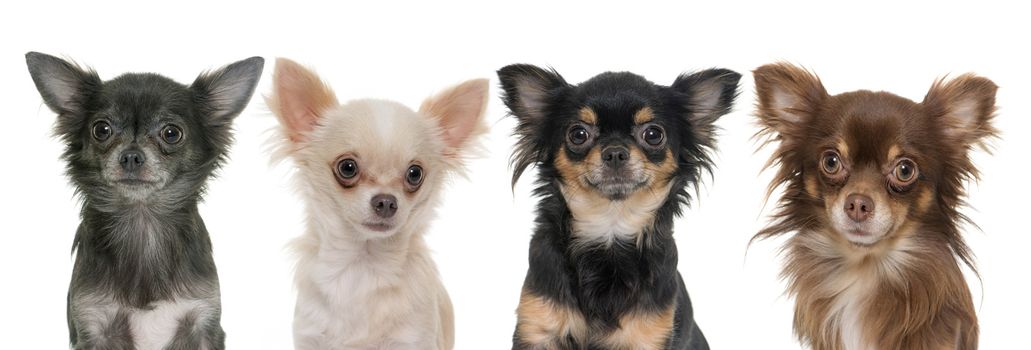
x=578 y=135
x=171 y=134
x=905 y=171
x=830 y=163
x=346 y=171
x=653 y=135
x=102 y=130
x=414 y=177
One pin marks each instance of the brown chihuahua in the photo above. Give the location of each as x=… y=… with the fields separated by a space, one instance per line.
x=872 y=186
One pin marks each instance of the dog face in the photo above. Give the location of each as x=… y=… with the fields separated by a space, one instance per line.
x=141 y=138
x=872 y=167
x=616 y=138
x=376 y=165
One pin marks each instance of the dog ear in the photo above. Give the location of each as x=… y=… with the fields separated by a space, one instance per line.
x=529 y=91
x=298 y=96
x=65 y=87
x=710 y=95
x=966 y=106
x=788 y=97
x=223 y=93
x=459 y=112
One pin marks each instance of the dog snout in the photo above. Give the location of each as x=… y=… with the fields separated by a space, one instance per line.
x=859 y=207
x=131 y=160
x=384 y=205
x=615 y=156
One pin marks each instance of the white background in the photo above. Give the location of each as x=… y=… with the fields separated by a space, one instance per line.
x=408 y=51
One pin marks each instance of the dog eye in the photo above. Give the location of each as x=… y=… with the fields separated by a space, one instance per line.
x=905 y=171
x=830 y=163
x=346 y=171
x=578 y=135
x=102 y=131
x=653 y=135
x=413 y=178
x=172 y=134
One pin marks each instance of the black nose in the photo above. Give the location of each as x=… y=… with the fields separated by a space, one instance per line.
x=385 y=205
x=615 y=156
x=131 y=160
x=859 y=207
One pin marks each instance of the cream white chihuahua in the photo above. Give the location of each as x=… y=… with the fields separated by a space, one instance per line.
x=371 y=173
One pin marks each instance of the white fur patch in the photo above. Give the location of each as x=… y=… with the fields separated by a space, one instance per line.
x=603 y=221
x=153 y=329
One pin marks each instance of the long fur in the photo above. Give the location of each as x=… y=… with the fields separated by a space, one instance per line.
x=603 y=271
x=143 y=276
x=907 y=290
x=360 y=289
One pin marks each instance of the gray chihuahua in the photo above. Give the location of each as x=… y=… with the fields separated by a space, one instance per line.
x=139 y=150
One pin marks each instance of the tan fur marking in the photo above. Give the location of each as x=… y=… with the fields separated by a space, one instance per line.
x=642 y=331
x=644 y=115
x=544 y=324
x=588 y=116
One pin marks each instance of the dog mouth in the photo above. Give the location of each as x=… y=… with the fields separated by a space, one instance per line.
x=134 y=182
x=617 y=188
x=378 y=226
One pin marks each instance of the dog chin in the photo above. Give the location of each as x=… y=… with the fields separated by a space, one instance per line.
x=136 y=189
x=617 y=190
x=860 y=237
x=375 y=229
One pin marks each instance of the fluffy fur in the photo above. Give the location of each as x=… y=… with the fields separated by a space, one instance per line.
x=139 y=150
x=872 y=184
x=603 y=261
x=365 y=278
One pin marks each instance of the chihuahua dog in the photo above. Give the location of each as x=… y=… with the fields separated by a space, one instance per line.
x=139 y=150
x=615 y=155
x=371 y=173
x=872 y=186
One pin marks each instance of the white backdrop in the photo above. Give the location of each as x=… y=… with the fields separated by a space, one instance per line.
x=408 y=51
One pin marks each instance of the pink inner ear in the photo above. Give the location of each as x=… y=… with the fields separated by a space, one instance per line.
x=459 y=111
x=298 y=96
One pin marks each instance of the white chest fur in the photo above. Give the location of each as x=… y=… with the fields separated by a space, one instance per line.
x=154 y=328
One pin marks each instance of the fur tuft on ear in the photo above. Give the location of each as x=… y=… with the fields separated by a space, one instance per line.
x=710 y=94
x=788 y=96
x=966 y=106
x=528 y=92
x=298 y=96
x=224 y=92
x=459 y=112
x=65 y=87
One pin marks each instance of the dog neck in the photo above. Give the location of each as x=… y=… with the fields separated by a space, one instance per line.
x=149 y=252
x=600 y=221
x=905 y=295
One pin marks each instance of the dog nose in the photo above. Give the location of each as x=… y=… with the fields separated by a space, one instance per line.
x=385 y=205
x=131 y=160
x=615 y=156
x=859 y=207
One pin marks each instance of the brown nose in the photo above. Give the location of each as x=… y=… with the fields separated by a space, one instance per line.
x=859 y=207
x=384 y=205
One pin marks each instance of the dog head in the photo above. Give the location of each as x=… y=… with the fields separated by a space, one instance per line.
x=616 y=138
x=375 y=167
x=872 y=167
x=140 y=137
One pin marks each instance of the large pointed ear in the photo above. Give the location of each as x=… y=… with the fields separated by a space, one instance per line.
x=965 y=105
x=224 y=92
x=459 y=112
x=529 y=90
x=710 y=94
x=64 y=86
x=788 y=97
x=298 y=98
